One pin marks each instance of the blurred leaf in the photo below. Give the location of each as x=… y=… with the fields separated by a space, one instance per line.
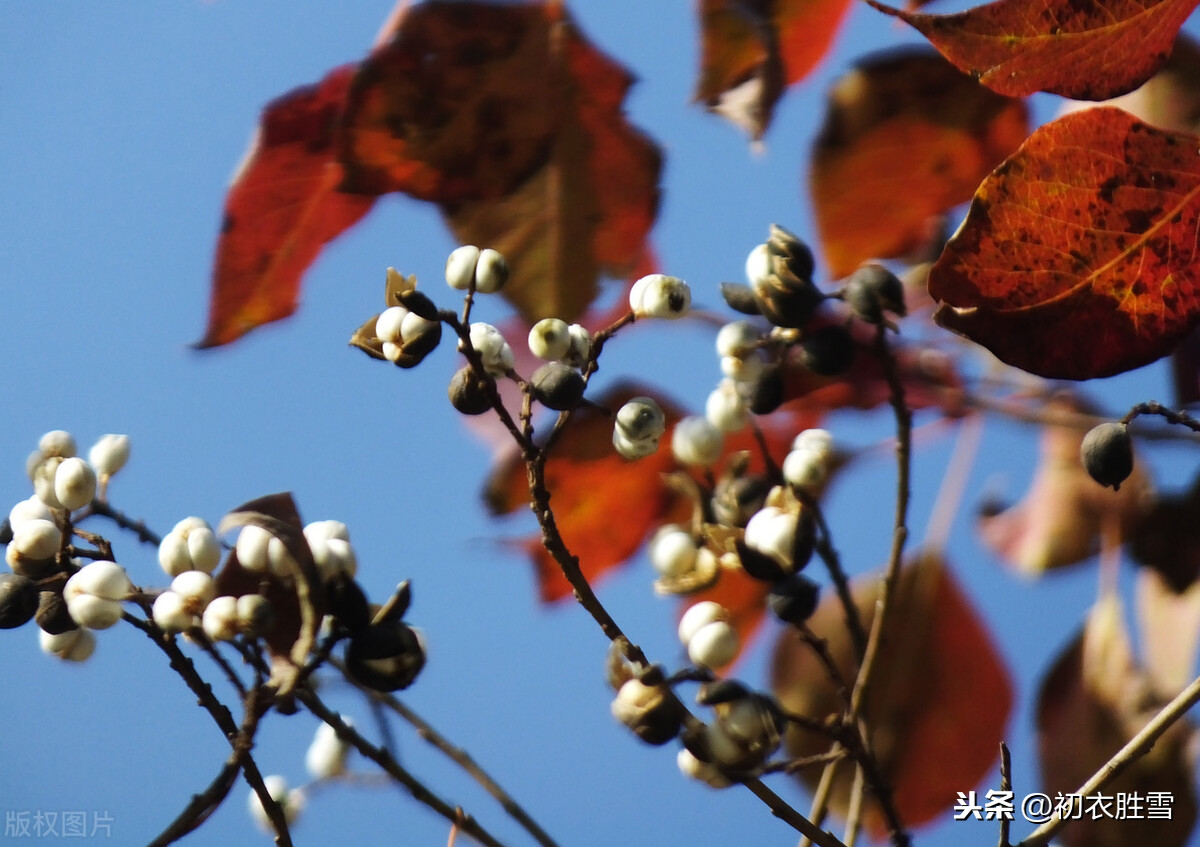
x=1169 y=624
x=1094 y=700
x=510 y=120
x=939 y=699
x=906 y=138
x=1167 y=540
x=281 y=210
x=751 y=50
x=1060 y=519
x=1088 y=51
x=1126 y=196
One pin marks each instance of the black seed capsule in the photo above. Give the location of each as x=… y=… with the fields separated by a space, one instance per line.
x=1107 y=454
x=827 y=351
x=468 y=392
x=18 y=600
x=557 y=386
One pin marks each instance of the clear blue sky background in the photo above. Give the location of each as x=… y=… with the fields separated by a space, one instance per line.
x=122 y=123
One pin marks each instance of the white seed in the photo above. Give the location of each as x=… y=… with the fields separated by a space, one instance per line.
x=220 y=620
x=726 y=408
x=36 y=538
x=491 y=271
x=392 y=352
x=772 y=532
x=339 y=558
x=705 y=772
x=57 y=442
x=805 y=468
x=714 y=645
x=279 y=560
x=641 y=418
x=195 y=588
x=171 y=614
x=189 y=523
x=204 y=549
x=637 y=292
x=74 y=645
x=415 y=326
x=173 y=555
x=74 y=483
x=758 y=266
x=494 y=352
x=814 y=439
x=737 y=338
x=327 y=754
x=319 y=531
x=388 y=326
x=550 y=339
x=672 y=551
x=101 y=578
x=29 y=509
x=109 y=454
x=254 y=614
x=43 y=481
x=93 y=612
x=699 y=615
x=251 y=548
x=629 y=448
x=663 y=297
x=581 y=346
x=743 y=370
x=291 y=802
x=696 y=442
x=460 y=267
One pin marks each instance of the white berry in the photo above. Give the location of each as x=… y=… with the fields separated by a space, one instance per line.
x=706 y=772
x=713 y=645
x=726 y=408
x=550 y=339
x=57 y=442
x=291 y=802
x=74 y=483
x=641 y=418
x=696 y=442
x=758 y=266
x=772 y=532
x=74 y=645
x=737 y=338
x=30 y=509
x=109 y=454
x=661 y=296
x=93 y=612
x=252 y=547
x=220 y=619
x=171 y=613
x=699 y=615
x=327 y=754
x=629 y=448
x=195 y=588
x=389 y=324
x=494 y=352
x=460 y=267
x=491 y=271
x=36 y=538
x=672 y=551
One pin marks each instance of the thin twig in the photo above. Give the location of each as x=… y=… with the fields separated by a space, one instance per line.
x=1005 y=785
x=456 y=754
x=105 y=510
x=791 y=817
x=1169 y=415
x=202 y=805
x=1134 y=749
x=841 y=582
x=386 y=761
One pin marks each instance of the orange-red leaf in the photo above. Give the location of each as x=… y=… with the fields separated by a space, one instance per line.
x=753 y=49
x=510 y=120
x=939 y=698
x=1088 y=51
x=283 y=207
x=906 y=137
x=1078 y=255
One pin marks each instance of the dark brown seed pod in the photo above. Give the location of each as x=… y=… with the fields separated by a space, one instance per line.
x=788 y=303
x=345 y=600
x=18 y=600
x=422 y=343
x=649 y=710
x=827 y=351
x=794 y=599
x=740 y=298
x=721 y=691
x=736 y=499
x=419 y=303
x=767 y=395
x=1107 y=454
x=557 y=386
x=872 y=290
x=797 y=255
x=386 y=656
x=758 y=565
x=468 y=392
x=52 y=615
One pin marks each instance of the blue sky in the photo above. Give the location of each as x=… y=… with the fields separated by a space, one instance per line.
x=123 y=123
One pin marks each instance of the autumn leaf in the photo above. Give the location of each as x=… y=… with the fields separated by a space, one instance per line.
x=751 y=50
x=939 y=699
x=512 y=122
x=1062 y=516
x=282 y=208
x=906 y=137
x=1086 y=51
x=1093 y=700
x=1169 y=624
x=1077 y=258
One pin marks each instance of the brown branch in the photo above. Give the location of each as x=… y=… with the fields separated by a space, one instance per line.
x=105 y=510
x=201 y=806
x=385 y=760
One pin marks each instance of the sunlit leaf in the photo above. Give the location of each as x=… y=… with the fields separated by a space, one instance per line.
x=906 y=137
x=938 y=702
x=751 y=50
x=511 y=121
x=1063 y=514
x=1088 y=51
x=1078 y=255
x=1094 y=699
x=282 y=208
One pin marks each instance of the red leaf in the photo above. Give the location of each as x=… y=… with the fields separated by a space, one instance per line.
x=511 y=121
x=906 y=138
x=1084 y=50
x=1078 y=255
x=753 y=49
x=281 y=210
x=939 y=699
